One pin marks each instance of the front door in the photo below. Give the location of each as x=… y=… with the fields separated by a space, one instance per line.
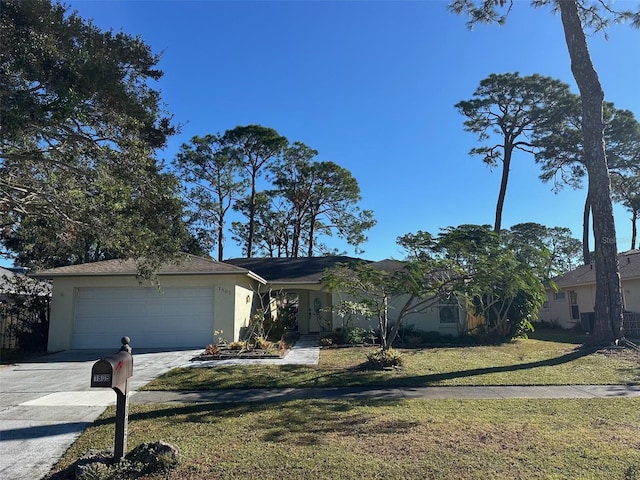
x=319 y=312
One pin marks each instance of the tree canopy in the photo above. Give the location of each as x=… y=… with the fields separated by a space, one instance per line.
x=491 y=277
x=212 y=183
x=561 y=156
x=303 y=200
x=509 y=109
x=80 y=127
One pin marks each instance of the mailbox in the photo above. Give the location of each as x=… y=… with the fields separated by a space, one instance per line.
x=113 y=371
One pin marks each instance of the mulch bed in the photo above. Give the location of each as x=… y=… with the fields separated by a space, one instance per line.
x=227 y=354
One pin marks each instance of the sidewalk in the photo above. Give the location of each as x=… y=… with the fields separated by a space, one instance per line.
x=263 y=395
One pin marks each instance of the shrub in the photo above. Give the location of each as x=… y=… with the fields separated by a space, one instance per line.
x=212 y=349
x=326 y=341
x=263 y=343
x=236 y=345
x=382 y=359
x=352 y=336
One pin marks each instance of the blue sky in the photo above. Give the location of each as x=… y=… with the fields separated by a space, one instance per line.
x=372 y=86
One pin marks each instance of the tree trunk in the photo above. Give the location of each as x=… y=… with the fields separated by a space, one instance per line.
x=312 y=231
x=220 y=241
x=608 y=302
x=383 y=322
x=586 y=252
x=252 y=216
x=634 y=229
x=506 y=166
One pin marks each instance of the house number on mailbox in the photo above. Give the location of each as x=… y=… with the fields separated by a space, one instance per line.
x=105 y=377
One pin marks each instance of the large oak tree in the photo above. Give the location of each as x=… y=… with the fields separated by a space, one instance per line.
x=80 y=128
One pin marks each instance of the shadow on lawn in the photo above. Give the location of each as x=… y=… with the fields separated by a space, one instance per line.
x=362 y=375
x=580 y=352
x=301 y=421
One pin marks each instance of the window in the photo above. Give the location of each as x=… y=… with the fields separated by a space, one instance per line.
x=573 y=295
x=448 y=314
x=559 y=296
x=575 y=312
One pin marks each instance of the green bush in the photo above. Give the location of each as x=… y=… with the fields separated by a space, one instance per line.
x=381 y=359
x=354 y=336
x=351 y=336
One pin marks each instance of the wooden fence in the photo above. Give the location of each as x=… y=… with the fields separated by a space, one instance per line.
x=8 y=323
x=26 y=324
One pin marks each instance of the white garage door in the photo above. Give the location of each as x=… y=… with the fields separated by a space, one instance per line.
x=152 y=318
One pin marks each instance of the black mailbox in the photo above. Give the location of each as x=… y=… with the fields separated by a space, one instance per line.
x=112 y=371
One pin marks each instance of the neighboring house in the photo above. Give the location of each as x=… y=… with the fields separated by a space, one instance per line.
x=572 y=305
x=13 y=282
x=95 y=304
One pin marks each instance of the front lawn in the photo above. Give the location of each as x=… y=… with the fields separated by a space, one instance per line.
x=365 y=439
x=546 y=360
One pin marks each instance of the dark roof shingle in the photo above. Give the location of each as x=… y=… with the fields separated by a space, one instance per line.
x=290 y=270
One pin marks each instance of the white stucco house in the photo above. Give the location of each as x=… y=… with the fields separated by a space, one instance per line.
x=94 y=305
x=572 y=305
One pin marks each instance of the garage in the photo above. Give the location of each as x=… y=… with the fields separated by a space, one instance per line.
x=151 y=317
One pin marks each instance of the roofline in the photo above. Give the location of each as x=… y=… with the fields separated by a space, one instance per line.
x=248 y=273
x=582 y=284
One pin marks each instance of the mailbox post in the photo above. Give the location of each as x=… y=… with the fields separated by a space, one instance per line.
x=114 y=372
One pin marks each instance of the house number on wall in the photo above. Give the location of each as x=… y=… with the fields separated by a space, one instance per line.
x=226 y=291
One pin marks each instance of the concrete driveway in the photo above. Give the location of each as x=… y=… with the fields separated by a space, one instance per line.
x=46 y=403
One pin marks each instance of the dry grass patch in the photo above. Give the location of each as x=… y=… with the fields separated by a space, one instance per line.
x=339 y=439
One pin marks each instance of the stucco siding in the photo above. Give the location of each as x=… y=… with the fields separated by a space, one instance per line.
x=245 y=303
x=631 y=292
x=65 y=291
x=428 y=320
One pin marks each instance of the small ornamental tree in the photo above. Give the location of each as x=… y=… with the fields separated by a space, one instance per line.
x=371 y=286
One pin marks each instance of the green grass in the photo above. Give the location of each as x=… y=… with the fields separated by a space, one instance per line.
x=373 y=439
x=550 y=359
x=339 y=439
